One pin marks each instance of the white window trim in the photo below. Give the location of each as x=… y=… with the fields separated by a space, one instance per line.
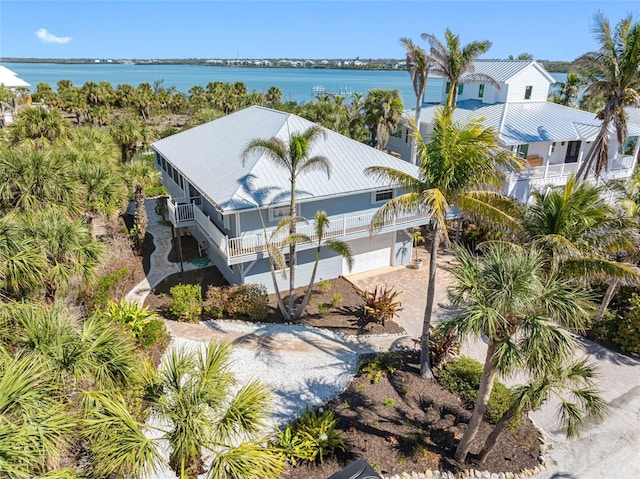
x=374 y=194
x=273 y=217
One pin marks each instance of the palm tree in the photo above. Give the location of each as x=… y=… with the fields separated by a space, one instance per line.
x=382 y=113
x=38 y=124
x=141 y=174
x=572 y=384
x=569 y=90
x=321 y=223
x=274 y=96
x=206 y=417
x=417 y=62
x=66 y=244
x=526 y=315
x=34 y=179
x=451 y=61
x=34 y=427
x=460 y=167
x=293 y=156
x=582 y=235
x=612 y=74
x=129 y=135
x=22 y=265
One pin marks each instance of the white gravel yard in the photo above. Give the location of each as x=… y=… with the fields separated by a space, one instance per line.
x=302 y=366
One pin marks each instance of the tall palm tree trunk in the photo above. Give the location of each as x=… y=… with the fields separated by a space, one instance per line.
x=414 y=142
x=484 y=392
x=141 y=219
x=594 y=157
x=292 y=249
x=500 y=426
x=608 y=296
x=425 y=362
x=307 y=295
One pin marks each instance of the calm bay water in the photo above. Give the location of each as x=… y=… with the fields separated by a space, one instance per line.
x=297 y=84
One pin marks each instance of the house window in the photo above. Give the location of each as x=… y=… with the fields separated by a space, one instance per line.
x=447 y=87
x=527 y=92
x=382 y=195
x=522 y=150
x=460 y=89
x=553 y=147
x=481 y=90
x=629 y=146
x=164 y=163
x=397 y=133
x=278 y=212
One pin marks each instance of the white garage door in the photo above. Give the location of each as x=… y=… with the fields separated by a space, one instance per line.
x=369 y=253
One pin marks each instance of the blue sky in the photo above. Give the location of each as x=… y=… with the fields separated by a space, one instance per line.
x=559 y=30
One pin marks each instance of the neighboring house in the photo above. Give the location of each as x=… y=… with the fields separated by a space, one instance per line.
x=9 y=79
x=222 y=202
x=553 y=139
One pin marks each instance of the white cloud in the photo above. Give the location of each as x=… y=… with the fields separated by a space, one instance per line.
x=47 y=37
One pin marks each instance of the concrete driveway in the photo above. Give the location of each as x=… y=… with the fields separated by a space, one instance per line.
x=608 y=449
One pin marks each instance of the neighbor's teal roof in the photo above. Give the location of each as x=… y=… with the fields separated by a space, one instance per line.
x=208 y=156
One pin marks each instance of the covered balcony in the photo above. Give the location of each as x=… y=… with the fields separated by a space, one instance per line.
x=253 y=244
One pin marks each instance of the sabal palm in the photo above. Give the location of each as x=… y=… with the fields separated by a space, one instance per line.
x=453 y=61
x=34 y=179
x=34 y=426
x=129 y=135
x=140 y=174
x=39 y=125
x=526 y=315
x=382 y=110
x=460 y=167
x=417 y=62
x=23 y=267
x=67 y=245
x=612 y=74
x=206 y=417
x=96 y=354
x=571 y=383
x=295 y=158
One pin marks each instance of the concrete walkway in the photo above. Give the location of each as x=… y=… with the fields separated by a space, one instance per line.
x=609 y=449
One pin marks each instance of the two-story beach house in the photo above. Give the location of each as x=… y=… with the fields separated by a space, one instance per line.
x=553 y=139
x=223 y=203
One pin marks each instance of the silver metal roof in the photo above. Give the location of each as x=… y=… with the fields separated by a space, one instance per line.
x=530 y=122
x=503 y=70
x=209 y=157
x=10 y=79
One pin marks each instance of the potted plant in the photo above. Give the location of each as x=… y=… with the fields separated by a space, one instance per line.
x=417 y=240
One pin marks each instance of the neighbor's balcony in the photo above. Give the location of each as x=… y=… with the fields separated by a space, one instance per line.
x=558 y=174
x=247 y=246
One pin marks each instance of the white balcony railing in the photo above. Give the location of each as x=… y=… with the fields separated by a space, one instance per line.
x=255 y=242
x=558 y=174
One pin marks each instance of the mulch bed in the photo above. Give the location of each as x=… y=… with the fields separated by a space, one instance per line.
x=403 y=424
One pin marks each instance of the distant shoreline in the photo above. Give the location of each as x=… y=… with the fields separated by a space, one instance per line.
x=379 y=64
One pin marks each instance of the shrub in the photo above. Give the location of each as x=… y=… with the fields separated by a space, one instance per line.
x=443 y=347
x=186 y=302
x=336 y=300
x=311 y=437
x=152 y=333
x=375 y=366
x=380 y=304
x=462 y=376
x=626 y=332
x=105 y=287
x=323 y=309
x=246 y=300
x=324 y=285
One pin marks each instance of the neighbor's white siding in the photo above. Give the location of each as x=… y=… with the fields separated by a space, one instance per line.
x=528 y=77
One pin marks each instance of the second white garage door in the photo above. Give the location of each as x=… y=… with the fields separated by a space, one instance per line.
x=369 y=253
